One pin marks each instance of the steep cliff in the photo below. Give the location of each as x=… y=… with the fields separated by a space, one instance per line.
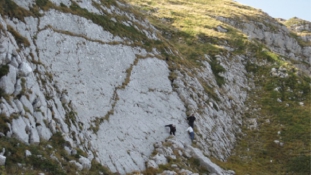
x=88 y=86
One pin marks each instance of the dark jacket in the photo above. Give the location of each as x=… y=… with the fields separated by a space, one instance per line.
x=191 y=119
x=172 y=128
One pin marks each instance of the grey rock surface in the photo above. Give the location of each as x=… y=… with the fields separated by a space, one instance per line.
x=2 y=160
x=207 y=163
x=112 y=99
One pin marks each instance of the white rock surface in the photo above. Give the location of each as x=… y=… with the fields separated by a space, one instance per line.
x=279 y=41
x=19 y=130
x=2 y=160
x=86 y=163
x=77 y=164
x=8 y=81
x=115 y=97
x=27 y=153
x=207 y=163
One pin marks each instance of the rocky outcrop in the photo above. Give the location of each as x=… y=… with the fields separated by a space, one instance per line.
x=276 y=37
x=300 y=25
x=88 y=84
x=173 y=149
x=111 y=98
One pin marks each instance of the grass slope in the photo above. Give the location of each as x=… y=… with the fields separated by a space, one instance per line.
x=190 y=27
x=281 y=144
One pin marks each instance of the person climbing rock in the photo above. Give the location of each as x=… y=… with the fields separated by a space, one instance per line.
x=191 y=120
x=191 y=133
x=172 y=129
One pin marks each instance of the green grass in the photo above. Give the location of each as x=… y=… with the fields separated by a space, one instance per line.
x=40 y=160
x=15 y=153
x=4 y=70
x=4 y=120
x=10 y=9
x=295 y=22
x=192 y=164
x=21 y=41
x=255 y=151
x=189 y=30
x=299 y=40
x=217 y=68
x=292 y=23
x=42 y=3
x=70 y=117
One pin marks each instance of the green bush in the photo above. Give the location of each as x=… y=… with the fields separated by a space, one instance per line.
x=45 y=165
x=58 y=140
x=250 y=67
x=217 y=68
x=97 y=167
x=41 y=3
x=4 y=70
x=4 y=128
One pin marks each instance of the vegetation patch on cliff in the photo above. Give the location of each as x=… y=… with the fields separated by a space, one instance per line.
x=280 y=144
x=48 y=157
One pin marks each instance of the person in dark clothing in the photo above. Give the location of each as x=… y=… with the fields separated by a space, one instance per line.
x=191 y=120
x=172 y=129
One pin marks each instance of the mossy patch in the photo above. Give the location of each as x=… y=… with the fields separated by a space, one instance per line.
x=4 y=70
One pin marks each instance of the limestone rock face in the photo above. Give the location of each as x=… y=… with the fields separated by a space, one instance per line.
x=8 y=81
x=207 y=163
x=86 y=163
x=83 y=77
x=112 y=99
x=278 y=41
x=19 y=130
x=78 y=165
